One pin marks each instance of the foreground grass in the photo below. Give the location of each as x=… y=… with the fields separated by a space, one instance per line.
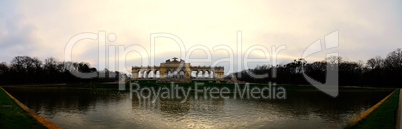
x=12 y=116
x=384 y=117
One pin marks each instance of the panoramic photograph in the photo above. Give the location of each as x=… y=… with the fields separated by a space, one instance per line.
x=178 y=64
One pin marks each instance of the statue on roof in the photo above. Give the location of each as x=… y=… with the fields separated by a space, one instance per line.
x=174 y=59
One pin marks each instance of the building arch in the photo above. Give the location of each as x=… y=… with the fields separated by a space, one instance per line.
x=181 y=74
x=177 y=70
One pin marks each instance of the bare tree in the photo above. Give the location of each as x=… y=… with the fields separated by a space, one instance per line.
x=334 y=59
x=50 y=64
x=394 y=60
x=376 y=62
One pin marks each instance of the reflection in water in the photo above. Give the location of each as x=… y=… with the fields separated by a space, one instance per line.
x=303 y=108
x=178 y=106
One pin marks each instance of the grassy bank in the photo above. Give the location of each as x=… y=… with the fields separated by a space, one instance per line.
x=384 y=117
x=12 y=116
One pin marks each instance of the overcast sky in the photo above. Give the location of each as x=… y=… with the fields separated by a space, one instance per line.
x=42 y=28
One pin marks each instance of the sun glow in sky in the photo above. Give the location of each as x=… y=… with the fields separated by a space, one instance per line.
x=42 y=28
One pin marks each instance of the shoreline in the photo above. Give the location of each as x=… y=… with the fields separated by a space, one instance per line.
x=45 y=122
x=362 y=118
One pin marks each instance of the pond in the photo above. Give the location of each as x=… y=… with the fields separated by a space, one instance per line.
x=303 y=108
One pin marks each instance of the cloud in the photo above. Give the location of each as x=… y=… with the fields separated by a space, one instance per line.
x=17 y=38
x=366 y=28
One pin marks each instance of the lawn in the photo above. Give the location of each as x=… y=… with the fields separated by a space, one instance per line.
x=384 y=117
x=152 y=83
x=12 y=116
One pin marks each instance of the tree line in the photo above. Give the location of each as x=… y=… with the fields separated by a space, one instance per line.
x=376 y=71
x=31 y=70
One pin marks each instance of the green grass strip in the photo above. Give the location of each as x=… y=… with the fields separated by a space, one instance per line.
x=383 y=117
x=12 y=116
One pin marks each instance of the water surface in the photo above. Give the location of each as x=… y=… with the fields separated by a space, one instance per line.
x=303 y=108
